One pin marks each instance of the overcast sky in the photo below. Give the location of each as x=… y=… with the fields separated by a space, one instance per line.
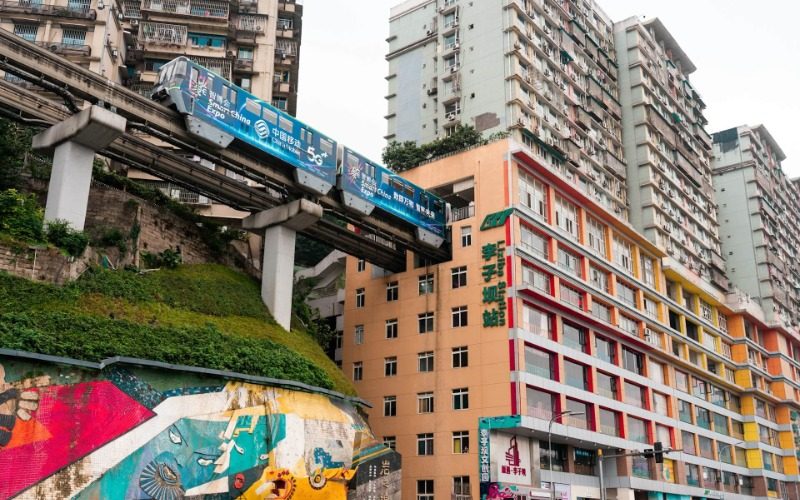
x=747 y=54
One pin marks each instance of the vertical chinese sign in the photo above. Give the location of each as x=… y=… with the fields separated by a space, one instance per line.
x=493 y=272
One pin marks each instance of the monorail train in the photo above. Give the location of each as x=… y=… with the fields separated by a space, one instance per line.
x=217 y=112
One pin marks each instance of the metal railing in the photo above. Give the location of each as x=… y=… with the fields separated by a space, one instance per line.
x=161 y=33
x=200 y=8
x=28 y=7
x=461 y=213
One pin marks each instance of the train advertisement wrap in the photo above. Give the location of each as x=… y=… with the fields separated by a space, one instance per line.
x=261 y=125
x=384 y=189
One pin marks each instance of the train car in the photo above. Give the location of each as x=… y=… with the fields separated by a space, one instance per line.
x=365 y=185
x=217 y=112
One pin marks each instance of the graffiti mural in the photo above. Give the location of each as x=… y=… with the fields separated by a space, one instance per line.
x=134 y=430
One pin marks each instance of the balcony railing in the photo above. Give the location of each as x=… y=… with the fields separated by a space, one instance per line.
x=248 y=24
x=162 y=34
x=215 y=64
x=39 y=8
x=462 y=213
x=67 y=49
x=243 y=65
x=199 y=8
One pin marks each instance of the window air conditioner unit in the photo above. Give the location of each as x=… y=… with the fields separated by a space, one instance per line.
x=450 y=116
x=454 y=68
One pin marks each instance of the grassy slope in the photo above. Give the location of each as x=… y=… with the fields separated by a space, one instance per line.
x=202 y=315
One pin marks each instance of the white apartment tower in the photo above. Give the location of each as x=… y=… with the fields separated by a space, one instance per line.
x=543 y=70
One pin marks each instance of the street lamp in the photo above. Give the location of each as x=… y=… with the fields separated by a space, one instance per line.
x=556 y=416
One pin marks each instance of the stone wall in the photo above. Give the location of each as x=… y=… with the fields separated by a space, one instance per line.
x=42 y=264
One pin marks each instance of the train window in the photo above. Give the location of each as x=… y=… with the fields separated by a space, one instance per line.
x=269 y=115
x=409 y=190
x=286 y=124
x=370 y=170
x=232 y=96
x=424 y=201
x=306 y=135
x=326 y=146
x=386 y=179
x=437 y=205
x=193 y=76
x=252 y=106
x=181 y=70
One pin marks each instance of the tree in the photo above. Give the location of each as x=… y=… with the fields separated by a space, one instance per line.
x=15 y=143
x=402 y=156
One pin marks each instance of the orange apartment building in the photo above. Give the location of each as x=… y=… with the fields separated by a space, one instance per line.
x=551 y=304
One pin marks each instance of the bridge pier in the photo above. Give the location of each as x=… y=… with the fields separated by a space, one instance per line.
x=277 y=271
x=73 y=144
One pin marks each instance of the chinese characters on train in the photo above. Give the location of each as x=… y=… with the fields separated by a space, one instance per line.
x=494 y=289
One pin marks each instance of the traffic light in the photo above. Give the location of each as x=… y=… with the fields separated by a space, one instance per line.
x=658 y=452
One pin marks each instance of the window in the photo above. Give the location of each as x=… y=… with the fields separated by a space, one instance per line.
x=706 y=447
x=533 y=194
x=585 y=461
x=392 y=291
x=460 y=357
x=358 y=370
x=605 y=350
x=664 y=435
x=26 y=31
x=459 y=276
x=461 y=488
x=723 y=322
x=571 y=296
x=632 y=360
x=425 y=402
x=391 y=328
x=681 y=381
x=629 y=325
x=634 y=395
x=203 y=40
x=425 y=322
x=626 y=294
x=285 y=23
x=425 y=361
x=687 y=441
x=533 y=242
x=390 y=442
x=569 y=262
x=339 y=339
x=466 y=236
x=536 y=321
x=245 y=83
x=637 y=430
x=73 y=36
x=566 y=216
x=598 y=278
x=607 y=385
x=692 y=474
x=656 y=371
x=459 y=316
x=425 y=284
x=660 y=403
x=358 y=335
x=650 y=307
x=622 y=254
x=360 y=297
x=425 y=444
x=390 y=366
x=575 y=375
x=460 y=442
x=281 y=103
x=554 y=458
x=684 y=411
x=389 y=406
x=596 y=236
x=609 y=422
x=721 y=424
x=541 y=404
x=601 y=311
x=535 y=278
x=539 y=362
x=282 y=76
x=361 y=265
x=424 y=489
x=648 y=275
x=461 y=398
x=573 y=336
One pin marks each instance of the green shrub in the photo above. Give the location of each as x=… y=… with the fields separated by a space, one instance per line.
x=73 y=242
x=94 y=338
x=111 y=237
x=169 y=259
x=20 y=216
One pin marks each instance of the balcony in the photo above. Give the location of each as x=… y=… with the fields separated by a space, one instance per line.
x=243 y=65
x=67 y=49
x=461 y=213
x=209 y=9
x=247 y=26
x=73 y=11
x=162 y=34
x=218 y=65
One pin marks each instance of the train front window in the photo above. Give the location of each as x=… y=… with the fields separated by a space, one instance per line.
x=180 y=69
x=306 y=135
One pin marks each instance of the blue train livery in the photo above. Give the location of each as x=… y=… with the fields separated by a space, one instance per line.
x=365 y=185
x=216 y=111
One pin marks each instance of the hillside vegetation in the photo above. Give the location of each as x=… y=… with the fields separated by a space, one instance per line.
x=201 y=315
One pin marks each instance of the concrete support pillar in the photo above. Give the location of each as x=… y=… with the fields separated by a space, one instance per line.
x=277 y=272
x=73 y=144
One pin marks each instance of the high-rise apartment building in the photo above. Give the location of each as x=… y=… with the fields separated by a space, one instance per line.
x=552 y=304
x=759 y=210
x=254 y=43
x=667 y=149
x=544 y=70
